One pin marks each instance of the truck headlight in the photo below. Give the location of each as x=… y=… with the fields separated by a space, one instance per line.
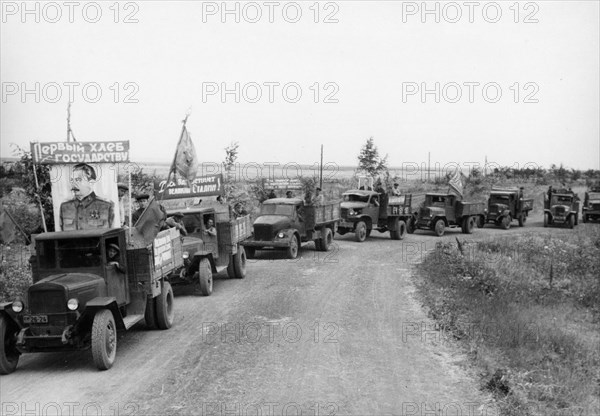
x=72 y=304
x=351 y=212
x=186 y=255
x=280 y=235
x=17 y=306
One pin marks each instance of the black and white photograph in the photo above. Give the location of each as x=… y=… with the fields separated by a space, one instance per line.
x=300 y=208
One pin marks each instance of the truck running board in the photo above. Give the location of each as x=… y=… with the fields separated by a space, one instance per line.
x=131 y=320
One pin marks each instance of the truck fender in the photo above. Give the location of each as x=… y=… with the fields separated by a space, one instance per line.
x=199 y=256
x=435 y=219
x=367 y=220
x=9 y=315
x=289 y=233
x=99 y=303
x=547 y=211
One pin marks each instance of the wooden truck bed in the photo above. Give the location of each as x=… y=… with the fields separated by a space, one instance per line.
x=233 y=231
x=316 y=216
x=526 y=204
x=469 y=208
x=399 y=205
x=147 y=265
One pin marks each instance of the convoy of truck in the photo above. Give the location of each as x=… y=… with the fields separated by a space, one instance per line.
x=82 y=293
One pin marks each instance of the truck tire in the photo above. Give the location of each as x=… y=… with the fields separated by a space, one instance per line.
x=522 y=220
x=439 y=227
x=204 y=278
x=292 y=250
x=576 y=219
x=480 y=221
x=571 y=222
x=467 y=225
x=250 y=252
x=546 y=219
x=239 y=263
x=150 y=313
x=9 y=356
x=165 y=311
x=318 y=246
x=360 y=231
x=326 y=240
x=411 y=225
x=505 y=222
x=394 y=228
x=402 y=230
x=104 y=339
x=230 y=269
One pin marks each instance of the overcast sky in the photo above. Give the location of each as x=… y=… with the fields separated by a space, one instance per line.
x=365 y=63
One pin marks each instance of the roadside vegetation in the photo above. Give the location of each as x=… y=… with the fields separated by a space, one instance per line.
x=527 y=310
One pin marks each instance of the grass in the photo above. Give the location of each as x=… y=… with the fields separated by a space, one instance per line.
x=532 y=304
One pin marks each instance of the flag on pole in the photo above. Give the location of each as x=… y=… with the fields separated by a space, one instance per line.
x=7 y=228
x=455 y=183
x=185 y=162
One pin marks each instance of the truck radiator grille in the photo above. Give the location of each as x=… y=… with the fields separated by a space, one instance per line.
x=51 y=301
x=263 y=232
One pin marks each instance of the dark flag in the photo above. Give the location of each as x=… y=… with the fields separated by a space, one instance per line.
x=149 y=224
x=455 y=183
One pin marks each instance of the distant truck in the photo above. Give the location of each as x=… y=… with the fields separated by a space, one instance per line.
x=365 y=210
x=561 y=208
x=80 y=297
x=446 y=210
x=286 y=223
x=591 y=205
x=205 y=254
x=506 y=205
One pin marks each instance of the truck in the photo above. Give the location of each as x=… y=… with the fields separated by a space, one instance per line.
x=447 y=210
x=204 y=254
x=591 y=205
x=561 y=207
x=506 y=205
x=80 y=297
x=286 y=223
x=365 y=210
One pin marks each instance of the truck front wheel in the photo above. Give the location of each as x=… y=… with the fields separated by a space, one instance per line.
x=104 y=339
x=411 y=225
x=165 y=312
x=204 y=278
x=439 y=227
x=360 y=232
x=292 y=250
x=505 y=222
x=9 y=356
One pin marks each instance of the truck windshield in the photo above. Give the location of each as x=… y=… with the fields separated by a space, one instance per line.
x=436 y=200
x=356 y=198
x=499 y=199
x=561 y=199
x=70 y=254
x=272 y=209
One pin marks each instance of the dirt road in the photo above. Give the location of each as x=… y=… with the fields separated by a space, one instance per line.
x=329 y=334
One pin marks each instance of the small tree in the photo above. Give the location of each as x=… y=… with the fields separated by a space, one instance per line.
x=25 y=167
x=370 y=162
x=231 y=155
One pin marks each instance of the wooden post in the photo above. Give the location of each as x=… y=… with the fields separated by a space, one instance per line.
x=37 y=188
x=321 y=171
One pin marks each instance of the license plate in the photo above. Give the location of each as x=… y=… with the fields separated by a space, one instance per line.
x=35 y=319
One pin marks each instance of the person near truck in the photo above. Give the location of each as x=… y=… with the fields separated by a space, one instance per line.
x=113 y=255
x=318 y=199
x=176 y=221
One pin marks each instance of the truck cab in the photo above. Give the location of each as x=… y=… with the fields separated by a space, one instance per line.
x=205 y=254
x=81 y=296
